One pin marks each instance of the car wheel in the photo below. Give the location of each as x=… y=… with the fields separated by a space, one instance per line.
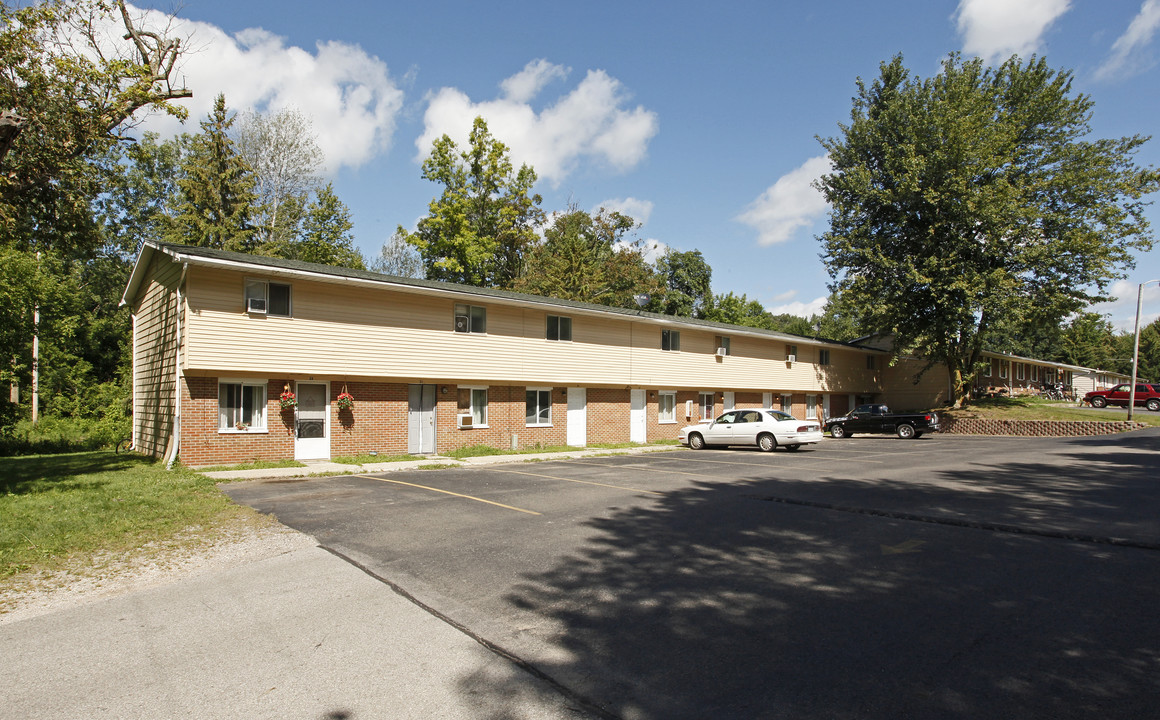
x=793 y=448
x=766 y=442
x=1099 y=401
x=905 y=431
x=837 y=431
x=696 y=442
x=1153 y=405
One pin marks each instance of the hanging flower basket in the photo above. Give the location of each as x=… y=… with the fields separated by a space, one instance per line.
x=287 y=399
x=345 y=400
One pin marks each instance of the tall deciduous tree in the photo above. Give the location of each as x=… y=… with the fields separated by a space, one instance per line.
x=480 y=227
x=975 y=196
x=397 y=257
x=587 y=257
x=217 y=189
x=286 y=160
x=687 y=278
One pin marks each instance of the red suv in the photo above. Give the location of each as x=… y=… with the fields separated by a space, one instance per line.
x=1146 y=395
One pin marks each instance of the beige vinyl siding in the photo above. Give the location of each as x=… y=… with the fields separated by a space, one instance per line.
x=339 y=330
x=901 y=393
x=154 y=357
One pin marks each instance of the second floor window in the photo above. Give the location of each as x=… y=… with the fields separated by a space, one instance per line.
x=470 y=319
x=269 y=298
x=823 y=357
x=559 y=327
x=671 y=340
x=723 y=343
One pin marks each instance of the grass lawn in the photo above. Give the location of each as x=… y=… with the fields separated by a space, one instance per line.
x=69 y=512
x=1033 y=408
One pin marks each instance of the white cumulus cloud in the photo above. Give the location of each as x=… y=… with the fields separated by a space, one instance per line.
x=789 y=204
x=1121 y=310
x=348 y=95
x=591 y=122
x=996 y=29
x=1128 y=54
x=799 y=308
x=639 y=210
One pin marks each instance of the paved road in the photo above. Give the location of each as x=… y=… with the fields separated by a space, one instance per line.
x=947 y=577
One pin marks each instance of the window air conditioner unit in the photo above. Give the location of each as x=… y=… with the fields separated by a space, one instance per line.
x=256 y=305
x=722 y=352
x=464 y=421
x=791 y=358
x=461 y=323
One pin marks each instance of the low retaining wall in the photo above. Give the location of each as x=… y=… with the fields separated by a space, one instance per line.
x=1036 y=428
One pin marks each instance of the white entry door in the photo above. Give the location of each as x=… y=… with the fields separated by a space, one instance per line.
x=729 y=400
x=577 y=417
x=421 y=419
x=312 y=427
x=638 y=420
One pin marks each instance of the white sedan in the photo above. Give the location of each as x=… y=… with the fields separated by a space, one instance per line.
x=764 y=428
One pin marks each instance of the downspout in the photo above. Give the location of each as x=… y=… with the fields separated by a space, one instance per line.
x=175 y=446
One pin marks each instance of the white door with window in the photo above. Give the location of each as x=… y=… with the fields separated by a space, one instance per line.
x=312 y=422
x=638 y=420
x=577 y=417
x=730 y=403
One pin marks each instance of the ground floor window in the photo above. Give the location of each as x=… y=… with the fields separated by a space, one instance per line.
x=241 y=406
x=707 y=405
x=539 y=406
x=473 y=402
x=667 y=407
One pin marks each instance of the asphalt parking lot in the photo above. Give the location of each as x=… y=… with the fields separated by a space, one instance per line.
x=958 y=577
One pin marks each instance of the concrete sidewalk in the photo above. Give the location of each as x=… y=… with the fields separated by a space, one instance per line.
x=330 y=468
x=303 y=634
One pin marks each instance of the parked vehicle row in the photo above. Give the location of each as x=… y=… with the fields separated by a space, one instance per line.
x=1147 y=395
x=770 y=429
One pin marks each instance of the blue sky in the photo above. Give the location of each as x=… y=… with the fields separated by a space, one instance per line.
x=699 y=120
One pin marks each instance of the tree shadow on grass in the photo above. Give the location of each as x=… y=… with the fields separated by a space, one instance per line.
x=25 y=475
x=715 y=602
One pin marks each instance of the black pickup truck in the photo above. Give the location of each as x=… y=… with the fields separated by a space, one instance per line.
x=879 y=419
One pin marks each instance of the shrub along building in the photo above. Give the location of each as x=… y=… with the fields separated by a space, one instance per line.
x=239 y=357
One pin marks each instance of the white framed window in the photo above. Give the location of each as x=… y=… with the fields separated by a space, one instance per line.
x=671 y=340
x=267 y=298
x=241 y=406
x=1019 y=371
x=811 y=407
x=724 y=343
x=1034 y=373
x=787 y=403
x=1004 y=369
x=473 y=401
x=559 y=328
x=666 y=406
x=791 y=351
x=823 y=357
x=707 y=405
x=539 y=407
x=470 y=319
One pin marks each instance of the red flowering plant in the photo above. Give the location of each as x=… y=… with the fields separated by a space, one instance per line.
x=287 y=398
x=345 y=400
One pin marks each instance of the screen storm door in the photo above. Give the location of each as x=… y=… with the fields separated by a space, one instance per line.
x=312 y=426
x=421 y=419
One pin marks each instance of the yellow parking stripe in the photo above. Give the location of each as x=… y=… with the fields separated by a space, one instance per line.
x=448 y=492
x=581 y=482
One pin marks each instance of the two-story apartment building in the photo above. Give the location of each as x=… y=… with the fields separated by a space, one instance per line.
x=219 y=337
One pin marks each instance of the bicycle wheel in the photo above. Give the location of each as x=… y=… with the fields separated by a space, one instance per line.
x=125 y=446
